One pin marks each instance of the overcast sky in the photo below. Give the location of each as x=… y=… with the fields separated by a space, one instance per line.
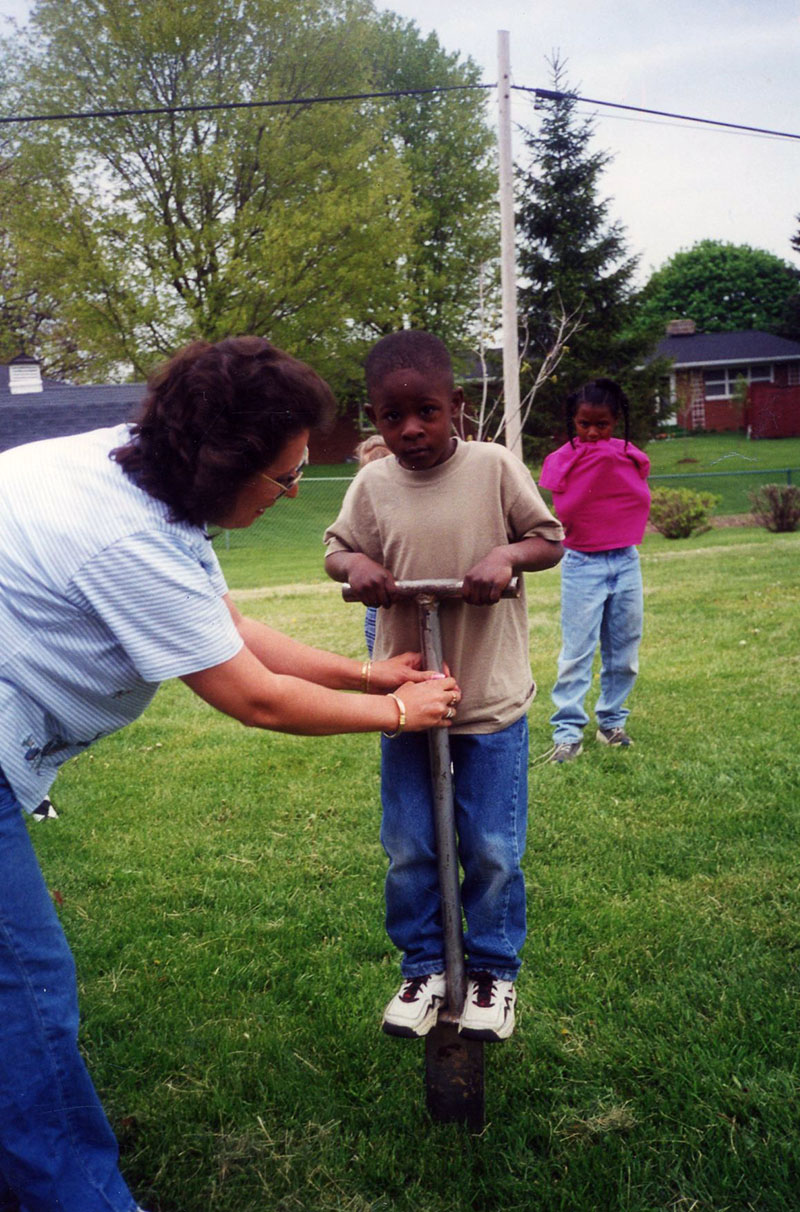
x=671 y=184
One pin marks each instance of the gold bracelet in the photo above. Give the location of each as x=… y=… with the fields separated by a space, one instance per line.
x=401 y=723
x=366 y=675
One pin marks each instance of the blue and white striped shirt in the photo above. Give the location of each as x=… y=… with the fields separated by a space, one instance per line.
x=101 y=598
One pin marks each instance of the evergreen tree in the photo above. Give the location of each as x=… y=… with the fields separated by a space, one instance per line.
x=574 y=260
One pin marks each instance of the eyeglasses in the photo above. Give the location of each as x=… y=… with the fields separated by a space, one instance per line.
x=286 y=483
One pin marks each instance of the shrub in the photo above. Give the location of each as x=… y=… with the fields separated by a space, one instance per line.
x=777 y=506
x=679 y=512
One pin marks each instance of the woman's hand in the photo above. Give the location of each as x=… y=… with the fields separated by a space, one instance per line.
x=429 y=704
x=388 y=675
x=405 y=667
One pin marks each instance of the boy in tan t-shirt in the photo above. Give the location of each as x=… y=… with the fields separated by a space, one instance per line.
x=442 y=508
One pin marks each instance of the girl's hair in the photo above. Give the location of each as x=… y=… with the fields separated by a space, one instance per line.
x=214 y=416
x=408 y=349
x=601 y=392
x=370 y=449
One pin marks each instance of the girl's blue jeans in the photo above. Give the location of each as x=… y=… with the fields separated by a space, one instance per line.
x=57 y=1150
x=490 y=787
x=601 y=601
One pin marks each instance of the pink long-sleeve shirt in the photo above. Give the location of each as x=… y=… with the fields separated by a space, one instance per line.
x=600 y=493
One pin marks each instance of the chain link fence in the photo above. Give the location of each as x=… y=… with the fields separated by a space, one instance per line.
x=284 y=547
x=732 y=488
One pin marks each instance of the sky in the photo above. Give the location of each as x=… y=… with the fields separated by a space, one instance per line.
x=670 y=183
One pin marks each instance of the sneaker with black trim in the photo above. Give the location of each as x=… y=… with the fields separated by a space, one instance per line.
x=613 y=736
x=566 y=751
x=488 y=1012
x=415 y=1007
x=45 y=811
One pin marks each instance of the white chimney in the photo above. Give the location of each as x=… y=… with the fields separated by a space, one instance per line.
x=24 y=376
x=681 y=328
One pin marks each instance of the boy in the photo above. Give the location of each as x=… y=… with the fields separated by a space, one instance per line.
x=443 y=508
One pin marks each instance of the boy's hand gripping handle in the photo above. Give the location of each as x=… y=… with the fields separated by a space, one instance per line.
x=435 y=589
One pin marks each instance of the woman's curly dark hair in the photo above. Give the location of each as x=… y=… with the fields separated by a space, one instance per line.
x=214 y=416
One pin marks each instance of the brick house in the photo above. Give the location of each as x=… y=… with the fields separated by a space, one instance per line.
x=704 y=373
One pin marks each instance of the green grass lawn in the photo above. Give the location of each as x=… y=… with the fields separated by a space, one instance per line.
x=285 y=545
x=727 y=465
x=722 y=452
x=222 y=890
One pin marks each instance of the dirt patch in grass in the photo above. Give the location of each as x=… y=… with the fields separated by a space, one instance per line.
x=733 y=519
x=722 y=522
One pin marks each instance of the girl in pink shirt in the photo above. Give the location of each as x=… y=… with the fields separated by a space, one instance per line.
x=600 y=493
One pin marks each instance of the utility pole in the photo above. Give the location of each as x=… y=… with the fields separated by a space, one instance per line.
x=508 y=269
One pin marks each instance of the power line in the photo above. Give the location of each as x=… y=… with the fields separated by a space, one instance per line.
x=541 y=94
x=648 y=121
x=194 y=109
x=546 y=94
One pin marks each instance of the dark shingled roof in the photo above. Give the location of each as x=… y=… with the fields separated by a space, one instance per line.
x=61 y=409
x=708 y=348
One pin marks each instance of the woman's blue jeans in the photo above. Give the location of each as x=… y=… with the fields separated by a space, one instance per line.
x=490 y=786
x=57 y=1150
x=601 y=601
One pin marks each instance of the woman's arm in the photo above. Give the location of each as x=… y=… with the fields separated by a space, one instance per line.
x=281 y=654
x=251 y=693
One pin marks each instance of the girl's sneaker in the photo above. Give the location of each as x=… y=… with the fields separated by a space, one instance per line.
x=613 y=736
x=415 y=1007
x=566 y=751
x=488 y=1012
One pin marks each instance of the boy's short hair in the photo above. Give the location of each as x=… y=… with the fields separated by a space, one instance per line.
x=408 y=349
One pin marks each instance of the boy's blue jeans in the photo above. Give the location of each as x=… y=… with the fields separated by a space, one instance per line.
x=601 y=601
x=57 y=1150
x=490 y=777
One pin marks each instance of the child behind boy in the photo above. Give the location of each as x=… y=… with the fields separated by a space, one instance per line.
x=368 y=451
x=443 y=508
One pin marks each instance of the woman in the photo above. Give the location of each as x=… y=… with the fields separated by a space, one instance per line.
x=109 y=586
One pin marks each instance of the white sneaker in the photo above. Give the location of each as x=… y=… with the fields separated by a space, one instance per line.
x=488 y=1007
x=415 y=1007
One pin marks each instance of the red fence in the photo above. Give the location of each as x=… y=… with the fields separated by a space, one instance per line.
x=773 y=412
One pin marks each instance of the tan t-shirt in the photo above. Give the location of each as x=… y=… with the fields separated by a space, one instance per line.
x=438 y=524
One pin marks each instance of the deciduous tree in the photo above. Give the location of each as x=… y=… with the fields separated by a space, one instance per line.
x=448 y=151
x=723 y=288
x=316 y=225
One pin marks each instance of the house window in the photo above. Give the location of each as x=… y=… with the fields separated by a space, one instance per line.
x=721 y=381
